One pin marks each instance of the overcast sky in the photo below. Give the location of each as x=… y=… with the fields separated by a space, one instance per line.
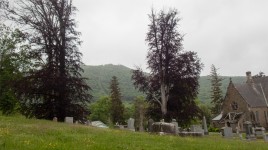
x=231 y=34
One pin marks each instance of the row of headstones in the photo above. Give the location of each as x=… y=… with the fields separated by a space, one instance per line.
x=170 y=128
x=66 y=120
x=173 y=128
x=70 y=120
x=251 y=133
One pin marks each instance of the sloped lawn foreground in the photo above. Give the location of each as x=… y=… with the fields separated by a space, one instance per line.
x=18 y=133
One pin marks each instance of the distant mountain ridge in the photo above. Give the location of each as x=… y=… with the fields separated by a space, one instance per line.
x=100 y=77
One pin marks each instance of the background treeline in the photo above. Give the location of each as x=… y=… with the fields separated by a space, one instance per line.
x=99 y=78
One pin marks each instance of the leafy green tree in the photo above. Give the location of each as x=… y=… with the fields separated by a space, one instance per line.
x=13 y=64
x=117 y=108
x=216 y=92
x=128 y=110
x=55 y=87
x=140 y=112
x=205 y=110
x=100 y=110
x=172 y=84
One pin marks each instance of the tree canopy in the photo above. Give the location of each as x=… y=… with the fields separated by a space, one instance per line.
x=100 y=110
x=55 y=87
x=13 y=64
x=172 y=83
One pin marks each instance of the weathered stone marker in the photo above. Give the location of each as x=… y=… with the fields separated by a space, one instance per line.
x=150 y=125
x=197 y=128
x=205 y=127
x=55 y=119
x=130 y=124
x=227 y=132
x=176 y=126
x=69 y=120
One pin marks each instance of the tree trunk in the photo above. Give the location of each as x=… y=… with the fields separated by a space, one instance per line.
x=164 y=99
x=141 y=118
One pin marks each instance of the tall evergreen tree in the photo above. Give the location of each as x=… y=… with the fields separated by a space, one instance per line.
x=55 y=87
x=117 y=108
x=216 y=92
x=171 y=68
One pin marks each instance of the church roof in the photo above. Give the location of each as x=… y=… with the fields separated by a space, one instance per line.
x=254 y=92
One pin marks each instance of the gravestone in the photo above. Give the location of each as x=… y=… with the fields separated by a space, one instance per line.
x=265 y=137
x=227 y=132
x=130 y=124
x=250 y=133
x=55 y=119
x=205 y=127
x=163 y=128
x=88 y=122
x=197 y=128
x=259 y=132
x=150 y=124
x=176 y=126
x=69 y=120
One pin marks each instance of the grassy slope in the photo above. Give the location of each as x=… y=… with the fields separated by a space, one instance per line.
x=26 y=134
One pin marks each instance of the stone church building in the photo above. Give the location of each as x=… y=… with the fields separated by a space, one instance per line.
x=245 y=102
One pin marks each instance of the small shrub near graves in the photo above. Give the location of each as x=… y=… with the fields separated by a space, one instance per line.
x=213 y=129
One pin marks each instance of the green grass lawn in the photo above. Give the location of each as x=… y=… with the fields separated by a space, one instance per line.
x=18 y=133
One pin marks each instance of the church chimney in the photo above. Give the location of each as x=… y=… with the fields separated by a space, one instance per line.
x=249 y=77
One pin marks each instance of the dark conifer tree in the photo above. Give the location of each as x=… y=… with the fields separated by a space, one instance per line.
x=216 y=92
x=55 y=87
x=117 y=108
x=171 y=69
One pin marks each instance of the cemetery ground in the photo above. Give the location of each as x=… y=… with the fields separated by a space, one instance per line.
x=16 y=132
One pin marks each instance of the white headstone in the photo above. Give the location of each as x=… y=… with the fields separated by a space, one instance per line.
x=69 y=120
x=130 y=124
x=55 y=119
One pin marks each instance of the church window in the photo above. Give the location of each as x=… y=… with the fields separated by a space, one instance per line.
x=234 y=105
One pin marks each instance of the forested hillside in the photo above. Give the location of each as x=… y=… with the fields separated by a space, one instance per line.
x=100 y=77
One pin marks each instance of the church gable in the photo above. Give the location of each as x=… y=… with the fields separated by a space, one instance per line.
x=248 y=101
x=233 y=101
